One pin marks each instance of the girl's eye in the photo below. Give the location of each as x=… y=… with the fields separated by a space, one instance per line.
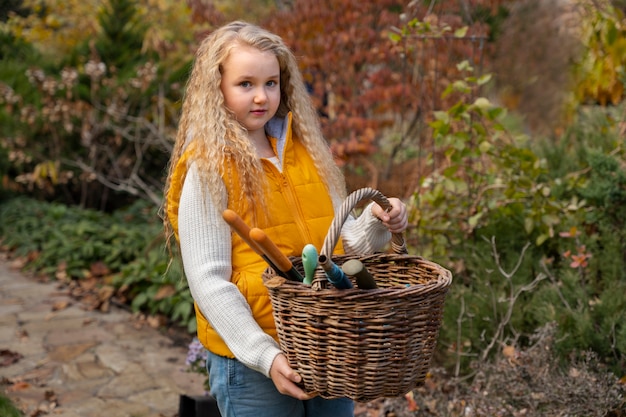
x=272 y=83
x=246 y=84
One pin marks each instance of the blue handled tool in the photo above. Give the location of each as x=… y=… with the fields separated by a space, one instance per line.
x=334 y=273
x=309 y=262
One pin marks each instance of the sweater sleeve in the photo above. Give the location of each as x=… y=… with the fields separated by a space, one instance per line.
x=205 y=243
x=364 y=234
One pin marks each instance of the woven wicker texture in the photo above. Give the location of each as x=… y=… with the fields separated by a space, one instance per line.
x=361 y=344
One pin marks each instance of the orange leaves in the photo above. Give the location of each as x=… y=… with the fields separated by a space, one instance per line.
x=99 y=269
x=60 y=305
x=581 y=257
x=359 y=136
x=412 y=405
x=364 y=73
x=579 y=260
x=341 y=42
x=18 y=386
x=511 y=354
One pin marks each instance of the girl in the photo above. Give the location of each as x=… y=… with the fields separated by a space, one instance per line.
x=249 y=140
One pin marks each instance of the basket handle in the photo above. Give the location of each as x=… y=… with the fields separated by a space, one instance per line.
x=334 y=232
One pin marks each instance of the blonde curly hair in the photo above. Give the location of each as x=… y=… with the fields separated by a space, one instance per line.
x=217 y=136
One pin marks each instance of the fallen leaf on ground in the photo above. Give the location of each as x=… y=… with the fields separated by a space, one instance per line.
x=99 y=269
x=8 y=357
x=60 y=305
x=164 y=292
x=19 y=386
x=156 y=321
x=22 y=335
x=411 y=400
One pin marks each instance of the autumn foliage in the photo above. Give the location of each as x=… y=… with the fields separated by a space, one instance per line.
x=369 y=76
x=532 y=227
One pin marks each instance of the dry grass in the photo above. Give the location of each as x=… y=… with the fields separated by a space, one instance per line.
x=518 y=383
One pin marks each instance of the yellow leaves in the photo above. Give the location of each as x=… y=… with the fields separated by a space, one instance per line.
x=46 y=170
x=57 y=26
x=572 y=232
x=484 y=79
x=485 y=146
x=169 y=24
x=250 y=10
x=44 y=176
x=461 y=32
x=483 y=103
x=473 y=220
x=600 y=71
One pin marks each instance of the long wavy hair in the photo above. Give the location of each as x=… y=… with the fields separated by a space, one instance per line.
x=217 y=136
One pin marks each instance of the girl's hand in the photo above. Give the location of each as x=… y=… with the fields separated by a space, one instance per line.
x=285 y=378
x=396 y=219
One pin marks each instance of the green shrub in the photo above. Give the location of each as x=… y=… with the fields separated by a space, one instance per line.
x=128 y=242
x=156 y=286
x=59 y=233
x=533 y=233
x=7 y=409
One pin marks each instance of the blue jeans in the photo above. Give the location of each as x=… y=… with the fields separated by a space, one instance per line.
x=243 y=392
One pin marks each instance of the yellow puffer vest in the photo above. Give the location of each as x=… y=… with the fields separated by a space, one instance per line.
x=299 y=212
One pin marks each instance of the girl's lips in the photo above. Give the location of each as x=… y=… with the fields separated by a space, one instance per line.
x=258 y=112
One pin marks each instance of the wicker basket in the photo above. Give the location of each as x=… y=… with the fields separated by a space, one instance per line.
x=361 y=344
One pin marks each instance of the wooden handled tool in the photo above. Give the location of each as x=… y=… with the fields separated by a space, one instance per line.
x=274 y=254
x=243 y=230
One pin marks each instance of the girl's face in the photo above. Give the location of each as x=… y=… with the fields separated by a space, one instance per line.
x=251 y=87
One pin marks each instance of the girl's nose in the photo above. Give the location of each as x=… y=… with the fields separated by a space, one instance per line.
x=260 y=96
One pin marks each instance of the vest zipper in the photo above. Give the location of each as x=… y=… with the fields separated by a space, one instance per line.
x=290 y=196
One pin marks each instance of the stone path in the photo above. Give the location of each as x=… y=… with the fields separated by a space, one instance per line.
x=77 y=363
